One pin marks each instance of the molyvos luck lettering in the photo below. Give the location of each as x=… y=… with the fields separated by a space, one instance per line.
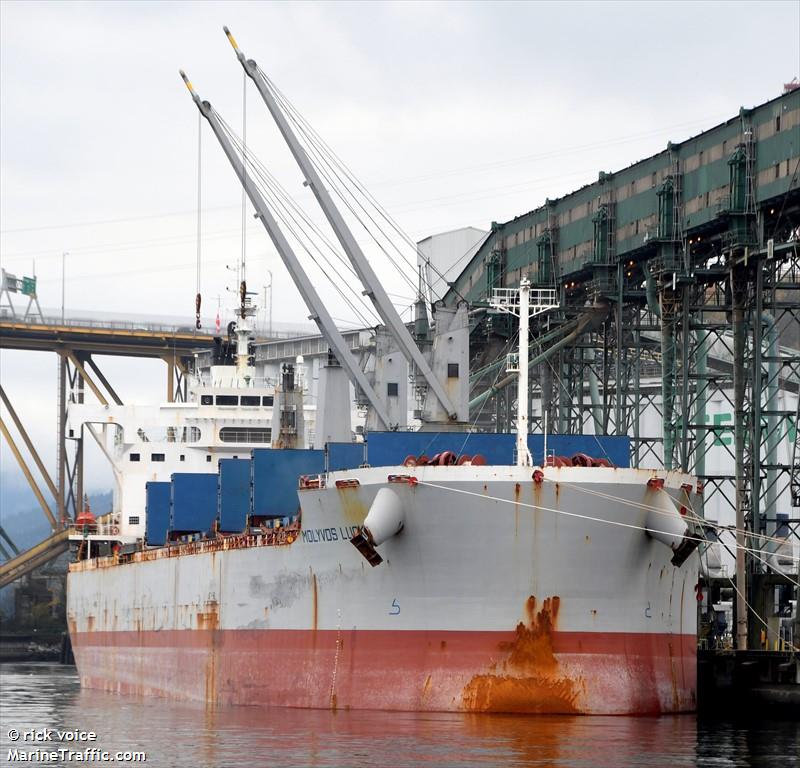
x=317 y=535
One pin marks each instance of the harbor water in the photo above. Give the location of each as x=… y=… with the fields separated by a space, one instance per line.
x=47 y=699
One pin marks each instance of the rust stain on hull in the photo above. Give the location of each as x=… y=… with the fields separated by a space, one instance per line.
x=353 y=509
x=314 y=599
x=529 y=679
x=208 y=619
x=426 y=688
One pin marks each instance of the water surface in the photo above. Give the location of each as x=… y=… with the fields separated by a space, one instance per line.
x=180 y=734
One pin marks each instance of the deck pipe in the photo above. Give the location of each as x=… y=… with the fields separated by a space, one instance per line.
x=597 y=405
x=487 y=369
x=591 y=317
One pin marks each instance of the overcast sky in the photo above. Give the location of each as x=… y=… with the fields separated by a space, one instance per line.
x=452 y=114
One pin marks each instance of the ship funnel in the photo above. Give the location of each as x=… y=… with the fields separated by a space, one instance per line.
x=384 y=520
x=666 y=525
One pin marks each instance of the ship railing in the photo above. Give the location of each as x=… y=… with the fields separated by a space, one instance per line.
x=307 y=482
x=275 y=537
x=94 y=529
x=128 y=325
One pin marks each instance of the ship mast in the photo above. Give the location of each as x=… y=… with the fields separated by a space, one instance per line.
x=523 y=454
x=244 y=335
x=373 y=288
x=319 y=314
x=518 y=302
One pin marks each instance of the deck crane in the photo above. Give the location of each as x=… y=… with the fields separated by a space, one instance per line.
x=319 y=314
x=373 y=288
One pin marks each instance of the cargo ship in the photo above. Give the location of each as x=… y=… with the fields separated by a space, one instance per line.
x=369 y=575
x=436 y=570
x=490 y=599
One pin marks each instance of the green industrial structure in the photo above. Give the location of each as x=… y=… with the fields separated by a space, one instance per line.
x=722 y=183
x=679 y=281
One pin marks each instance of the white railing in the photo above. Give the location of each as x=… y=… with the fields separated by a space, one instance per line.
x=540 y=299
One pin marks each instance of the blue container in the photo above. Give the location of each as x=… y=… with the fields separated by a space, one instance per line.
x=386 y=449
x=613 y=448
x=345 y=455
x=234 y=495
x=274 y=478
x=156 y=509
x=193 y=503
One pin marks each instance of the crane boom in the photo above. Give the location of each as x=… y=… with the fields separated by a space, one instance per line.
x=374 y=289
x=319 y=314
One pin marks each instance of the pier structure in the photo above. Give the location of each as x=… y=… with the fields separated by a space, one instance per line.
x=76 y=343
x=679 y=325
x=678 y=282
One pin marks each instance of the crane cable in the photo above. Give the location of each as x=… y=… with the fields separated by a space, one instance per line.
x=243 y=262
x=283 y=208
x=285 y=218
x=649 y=508
x=198 y=298
x=288 y=201
x=592 y=518
x=322 y=148
x=335 y=183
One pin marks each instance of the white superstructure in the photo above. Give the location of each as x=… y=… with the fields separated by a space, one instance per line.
x=228 y=412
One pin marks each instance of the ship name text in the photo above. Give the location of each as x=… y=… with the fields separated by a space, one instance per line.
x=334 y=533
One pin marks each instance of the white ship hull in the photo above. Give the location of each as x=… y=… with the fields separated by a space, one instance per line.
x=500 y=594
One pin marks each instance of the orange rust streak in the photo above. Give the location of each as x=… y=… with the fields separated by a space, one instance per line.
x=528 y=679
x=209 y=619
x=314 y=598
x=353 y=508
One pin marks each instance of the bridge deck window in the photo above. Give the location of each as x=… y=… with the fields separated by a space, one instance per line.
x=245 y=434
x=251 y=400
x=206 y=399
x=227 y=400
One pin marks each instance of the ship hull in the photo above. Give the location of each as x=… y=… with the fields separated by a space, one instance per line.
x=500 y=595
x=590 y=673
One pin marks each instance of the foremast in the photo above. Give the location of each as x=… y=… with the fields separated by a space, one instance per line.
x=521 y=303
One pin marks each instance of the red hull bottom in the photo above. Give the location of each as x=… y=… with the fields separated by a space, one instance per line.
x=522 y=671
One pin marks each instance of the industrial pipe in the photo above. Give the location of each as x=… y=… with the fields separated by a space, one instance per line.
x=487 y=369
x=597 y=406
x=651 y=291
x=594 y=315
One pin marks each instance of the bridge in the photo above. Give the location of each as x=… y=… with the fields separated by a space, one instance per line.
x=76 y=342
